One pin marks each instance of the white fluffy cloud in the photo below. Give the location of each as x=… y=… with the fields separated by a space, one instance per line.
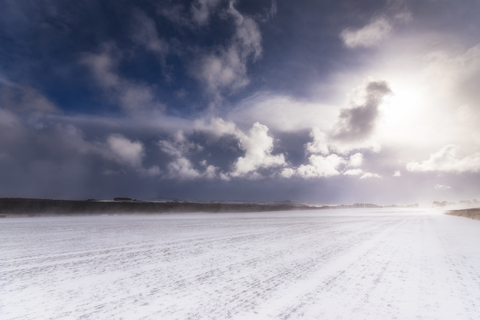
x=442 y=187
x=320 y=166
x=319 y=143
x=258 y=147
x=446 y=160
x=367 y=36
x=397 y=174
x=356 y=160
x=328 y=166
x=126 y=151
x=181 y=167
x=353 y=172
x=288 y=172
x=256 y=143
x=368 y=175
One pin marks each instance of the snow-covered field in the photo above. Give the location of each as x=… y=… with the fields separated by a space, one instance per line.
x=326 y=264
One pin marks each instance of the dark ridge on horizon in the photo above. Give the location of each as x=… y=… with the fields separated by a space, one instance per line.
x=34 y=207
x=123 y=205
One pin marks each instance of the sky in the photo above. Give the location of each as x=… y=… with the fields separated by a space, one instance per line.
x=320 y=102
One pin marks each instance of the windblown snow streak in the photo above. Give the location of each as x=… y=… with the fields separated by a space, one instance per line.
x=330 y=264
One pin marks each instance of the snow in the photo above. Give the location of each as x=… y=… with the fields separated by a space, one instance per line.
x=324 y=264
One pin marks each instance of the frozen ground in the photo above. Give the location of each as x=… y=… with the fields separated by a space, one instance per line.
x=336 y=264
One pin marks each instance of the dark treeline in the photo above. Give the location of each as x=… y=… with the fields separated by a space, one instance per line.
x=32 y=207
x=473 y=213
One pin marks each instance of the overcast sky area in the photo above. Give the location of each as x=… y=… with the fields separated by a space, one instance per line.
x=319 y=102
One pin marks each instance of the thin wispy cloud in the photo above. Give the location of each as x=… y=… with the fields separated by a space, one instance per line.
x=370 y=35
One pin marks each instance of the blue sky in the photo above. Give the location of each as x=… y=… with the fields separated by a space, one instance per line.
x=310 y=101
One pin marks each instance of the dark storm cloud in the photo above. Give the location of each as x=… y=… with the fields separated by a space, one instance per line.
x=44 y=158
x=42 y=40
x=358 y=122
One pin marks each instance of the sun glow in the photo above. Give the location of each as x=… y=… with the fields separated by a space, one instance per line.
x=403 y=106
x=405 y=114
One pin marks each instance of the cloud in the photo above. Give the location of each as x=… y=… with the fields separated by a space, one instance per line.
x=125 y=151
x=145 y=34
x=70 y=141
x=367 y=36
x=131 y=96
x=455 y=77
x=256 y=143
x=288 y=172
x=291 y=114
x=24 y=99
x=73 y=139
x=226 y=67
x=201 y=10
x=152 y=171
x=258 y=147
x=181 y=167
x=223 y=70
x=319 y=143
x=320 y=166
x=216 y=128
x=353 y=172
x=356 y=160
x=368 y=175
x=404 y=17
x=446 y=160
x=442 y=187
x=273 y=10
x=179 y=145
x=247 y=34
x=174 y=13
x=356 y=125
x=117 y=148
x=328 y=166
x=8 y=119
x=210 y=171
x=397 y=174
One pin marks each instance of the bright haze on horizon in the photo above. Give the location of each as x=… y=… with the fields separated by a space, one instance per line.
x=309 y=101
